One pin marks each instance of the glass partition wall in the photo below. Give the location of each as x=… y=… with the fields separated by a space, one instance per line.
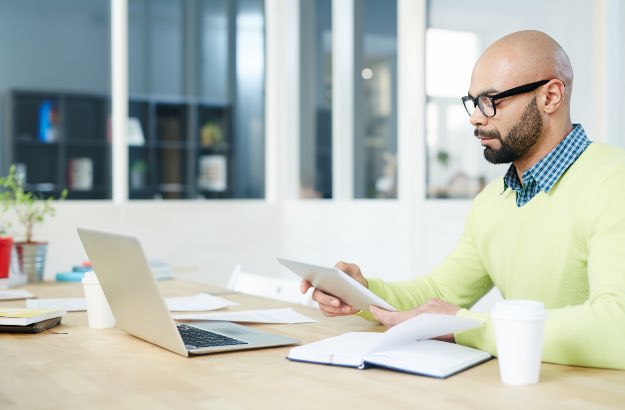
x=196 y=85
x=364 y=77
x=196 y=95
x=315 y=99
x=55 y=88
x=375 y=143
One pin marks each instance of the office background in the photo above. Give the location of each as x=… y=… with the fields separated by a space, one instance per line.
x=313 y=129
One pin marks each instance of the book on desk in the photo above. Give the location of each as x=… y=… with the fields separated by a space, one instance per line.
x=25 y=320
x=405 y=347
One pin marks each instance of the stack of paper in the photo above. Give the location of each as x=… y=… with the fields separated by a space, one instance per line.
x=25 y=317
x=15 y=294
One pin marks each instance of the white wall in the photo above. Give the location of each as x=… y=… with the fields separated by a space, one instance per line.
x=205 y=239
x=208 y=239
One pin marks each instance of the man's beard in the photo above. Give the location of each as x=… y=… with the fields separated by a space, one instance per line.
x=523 y=136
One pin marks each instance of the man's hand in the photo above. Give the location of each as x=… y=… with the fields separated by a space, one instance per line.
x=390 y=319
x=330 y=305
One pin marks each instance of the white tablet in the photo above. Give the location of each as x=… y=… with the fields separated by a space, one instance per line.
x=337 y=283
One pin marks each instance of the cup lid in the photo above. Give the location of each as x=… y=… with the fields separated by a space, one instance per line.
x=90 y=277
x=519 y=309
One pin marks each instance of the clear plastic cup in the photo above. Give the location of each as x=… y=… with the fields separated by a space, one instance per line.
x=519 y=327
x=98 y=310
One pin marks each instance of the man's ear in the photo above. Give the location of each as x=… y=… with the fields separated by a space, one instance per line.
x=554 y=96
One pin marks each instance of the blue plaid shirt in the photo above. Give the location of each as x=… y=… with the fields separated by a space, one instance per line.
x=546 y=172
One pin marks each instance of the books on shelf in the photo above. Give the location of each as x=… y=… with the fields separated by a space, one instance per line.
x=49 y=120
x=160 y=269
x=135 y=132
x=171 y=178
x=24 y=316
x=169 y=129
x=213 y=173
x=406 y=347
x=80 y=174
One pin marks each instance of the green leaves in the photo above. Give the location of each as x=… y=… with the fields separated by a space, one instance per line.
x=29 y=208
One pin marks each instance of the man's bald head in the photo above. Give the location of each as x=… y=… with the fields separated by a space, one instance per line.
x=524 y=57
x=531 y=123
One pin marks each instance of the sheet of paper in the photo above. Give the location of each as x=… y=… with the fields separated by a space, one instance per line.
x=287 y=316
x=15 y=294
x=424 y=326
x=27 y=313
x=68 y=304
x=199 y=302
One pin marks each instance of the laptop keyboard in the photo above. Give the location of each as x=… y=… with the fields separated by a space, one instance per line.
x=192 y=336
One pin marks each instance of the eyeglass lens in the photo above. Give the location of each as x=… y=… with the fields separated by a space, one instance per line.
x=484 y=103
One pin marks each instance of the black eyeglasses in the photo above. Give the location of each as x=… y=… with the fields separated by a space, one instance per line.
x=486 y=103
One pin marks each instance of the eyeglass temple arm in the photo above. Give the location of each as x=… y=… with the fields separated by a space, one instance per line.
x=520 y=89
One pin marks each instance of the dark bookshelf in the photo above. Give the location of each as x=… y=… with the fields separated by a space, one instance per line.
x=168 y=163
x=60 y=140
x=178 y=148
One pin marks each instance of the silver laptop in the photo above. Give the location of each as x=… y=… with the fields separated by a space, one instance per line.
x=139 y=307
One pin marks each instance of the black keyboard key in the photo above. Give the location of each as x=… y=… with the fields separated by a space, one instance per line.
x=193 y=336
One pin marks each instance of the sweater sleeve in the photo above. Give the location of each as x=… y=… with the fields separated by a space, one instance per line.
x=591 y=333
x=460 y=279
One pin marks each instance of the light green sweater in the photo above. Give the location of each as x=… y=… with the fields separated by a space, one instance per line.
x=565 y=248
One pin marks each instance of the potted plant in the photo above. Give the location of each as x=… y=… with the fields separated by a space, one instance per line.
x=30 y=210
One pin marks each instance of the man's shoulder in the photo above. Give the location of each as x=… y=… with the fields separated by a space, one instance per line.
x=602 y=153
x=598 y=174
x=601 y=161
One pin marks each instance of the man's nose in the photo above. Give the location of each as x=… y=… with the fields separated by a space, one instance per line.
x=477 y=118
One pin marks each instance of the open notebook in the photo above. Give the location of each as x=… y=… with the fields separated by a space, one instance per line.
x=405 y=347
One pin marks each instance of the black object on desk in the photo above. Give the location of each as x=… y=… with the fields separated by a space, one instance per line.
x=32 y=328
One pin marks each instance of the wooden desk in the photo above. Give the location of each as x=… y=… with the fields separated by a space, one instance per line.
x=78 y=367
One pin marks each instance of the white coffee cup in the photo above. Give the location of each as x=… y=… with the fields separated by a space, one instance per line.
x=519 y=327
x=98 y=309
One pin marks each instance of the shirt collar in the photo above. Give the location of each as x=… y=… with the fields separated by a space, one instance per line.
x=550 y=168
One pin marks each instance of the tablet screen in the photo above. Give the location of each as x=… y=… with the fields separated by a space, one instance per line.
x=337 y=283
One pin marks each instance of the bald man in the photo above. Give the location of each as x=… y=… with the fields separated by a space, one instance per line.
x=552 y=229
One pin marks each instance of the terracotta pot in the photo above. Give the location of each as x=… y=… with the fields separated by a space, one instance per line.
x=6 y=244
x=31 y=257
